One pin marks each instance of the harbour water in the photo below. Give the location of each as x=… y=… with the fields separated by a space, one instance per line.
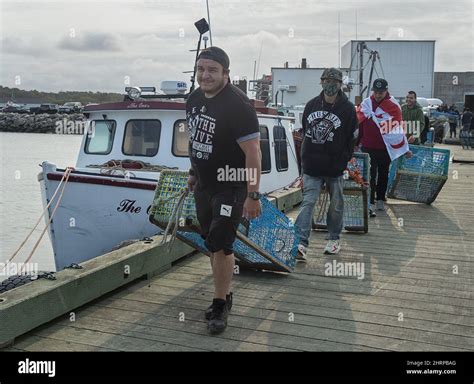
x=20 y=196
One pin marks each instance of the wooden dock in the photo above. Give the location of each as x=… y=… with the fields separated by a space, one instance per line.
x=416 y=294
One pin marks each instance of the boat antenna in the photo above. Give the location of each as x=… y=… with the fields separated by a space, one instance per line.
x=356 y=22
x=339 y=37
x=209 y=18
x=259 y=57
x=202 y=26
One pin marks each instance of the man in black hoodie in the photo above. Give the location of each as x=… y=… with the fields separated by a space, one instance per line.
x=329 y=126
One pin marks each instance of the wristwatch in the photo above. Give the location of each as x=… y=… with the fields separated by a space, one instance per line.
x=191 y=172
x=254 y=195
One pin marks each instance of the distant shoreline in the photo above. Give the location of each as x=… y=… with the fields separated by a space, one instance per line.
x=41 y=123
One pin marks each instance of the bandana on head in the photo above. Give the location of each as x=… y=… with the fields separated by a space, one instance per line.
x=216 y=54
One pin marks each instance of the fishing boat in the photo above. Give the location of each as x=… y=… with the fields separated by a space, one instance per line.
x=105 y=199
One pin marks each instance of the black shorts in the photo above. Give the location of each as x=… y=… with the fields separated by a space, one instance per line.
x=219 y=215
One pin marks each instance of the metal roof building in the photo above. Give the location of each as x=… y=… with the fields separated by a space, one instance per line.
x=405 y=64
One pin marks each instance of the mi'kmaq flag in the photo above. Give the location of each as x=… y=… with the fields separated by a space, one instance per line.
x=388 y=118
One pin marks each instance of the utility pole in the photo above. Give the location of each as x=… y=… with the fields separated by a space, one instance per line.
x=360 y=47
x=373 y=55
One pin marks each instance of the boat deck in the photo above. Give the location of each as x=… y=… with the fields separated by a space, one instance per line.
x=416 y=294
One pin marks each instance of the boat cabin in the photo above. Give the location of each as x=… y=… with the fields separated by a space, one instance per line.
x=153 y=130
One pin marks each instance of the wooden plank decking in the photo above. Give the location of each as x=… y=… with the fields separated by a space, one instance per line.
x=416 y=294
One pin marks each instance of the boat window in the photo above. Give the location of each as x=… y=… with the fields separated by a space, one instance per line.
x=142 y=138
x=180 y=139
x=265 y=149
x=281 y=151
x=99 y=140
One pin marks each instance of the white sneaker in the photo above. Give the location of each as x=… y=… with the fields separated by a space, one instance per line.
x=332 y=247
x=380 y=205
x=301 y=255
x=372 y=211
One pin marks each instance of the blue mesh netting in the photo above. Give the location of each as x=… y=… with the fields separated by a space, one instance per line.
x=421 y=177
x=466 y=138
x=425 y=160
x=272 y=231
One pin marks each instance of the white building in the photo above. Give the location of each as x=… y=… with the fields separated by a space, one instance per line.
x=296 y=85
x=407 y=65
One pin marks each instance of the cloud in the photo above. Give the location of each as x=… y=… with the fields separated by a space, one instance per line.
x=150 y=40
x=91 y=41
x=17 y=45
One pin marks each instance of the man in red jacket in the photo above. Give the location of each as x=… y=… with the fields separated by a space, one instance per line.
x=380 y=122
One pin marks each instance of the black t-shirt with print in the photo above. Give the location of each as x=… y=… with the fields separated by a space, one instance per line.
x=216 y=126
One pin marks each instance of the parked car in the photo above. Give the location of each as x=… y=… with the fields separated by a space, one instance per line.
x=46 y=108
x=14 y=108
x=423 y=101
x=435 y=102
x=71 y=107
x=427 y=107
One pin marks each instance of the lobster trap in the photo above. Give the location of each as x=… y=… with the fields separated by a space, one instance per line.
x=355 y=192
x=420 y=178
x=268 y=242
x=466 y=139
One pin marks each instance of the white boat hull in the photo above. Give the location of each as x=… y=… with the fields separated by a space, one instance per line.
x=92 y=219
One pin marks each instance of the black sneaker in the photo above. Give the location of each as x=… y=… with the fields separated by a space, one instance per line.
x=218 y=322
x=228 y=299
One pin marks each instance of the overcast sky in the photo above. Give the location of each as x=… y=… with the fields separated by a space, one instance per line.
x=99 y=45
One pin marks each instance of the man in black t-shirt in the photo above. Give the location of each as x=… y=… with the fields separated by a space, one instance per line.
x=224 y=149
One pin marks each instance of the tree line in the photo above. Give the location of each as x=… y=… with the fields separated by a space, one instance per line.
x=21 y=96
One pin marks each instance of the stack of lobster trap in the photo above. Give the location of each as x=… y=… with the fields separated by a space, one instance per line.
x=356 y=190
